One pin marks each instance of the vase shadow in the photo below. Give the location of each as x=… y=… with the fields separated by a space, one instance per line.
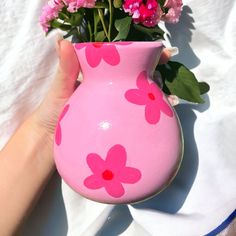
x=181 y=36
x=173 y=197
x=49 y=215
x=117 y=222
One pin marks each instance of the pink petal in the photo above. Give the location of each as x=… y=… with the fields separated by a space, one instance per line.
x=116 y=158
x=110 y=55
x=136 y=96
x=95 y=163
x=130 y=175
x=165 y=108
x=114 y=188
x=58 y=135
x=142 y=81
x=93 y=182
x=152 y=113
x=93 y=55
x=155 y=90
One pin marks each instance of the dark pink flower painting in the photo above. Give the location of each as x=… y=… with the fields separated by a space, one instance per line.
x=111 y=173
x=149 y=95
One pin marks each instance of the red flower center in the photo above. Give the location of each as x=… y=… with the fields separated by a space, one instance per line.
x=107 y=175
x=151 y=96
x=98 y=44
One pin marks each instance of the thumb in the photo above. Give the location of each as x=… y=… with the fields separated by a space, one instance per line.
x=61 y=89
x=68 y=70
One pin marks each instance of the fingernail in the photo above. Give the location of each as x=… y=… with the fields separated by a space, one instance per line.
x=173 y=51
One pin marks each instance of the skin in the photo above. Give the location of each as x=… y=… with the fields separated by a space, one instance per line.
x=26 y=161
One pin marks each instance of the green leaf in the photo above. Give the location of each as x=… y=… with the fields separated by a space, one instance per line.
x=154 y=33
x=76 y=18
x=180 y=81
x=117 y=3
x=161 y=2
x=122 y=26
x=72 y=31
x=100 y=36
x=101 y=5
x=204 y=87
x=56 y=24
x=62 y=16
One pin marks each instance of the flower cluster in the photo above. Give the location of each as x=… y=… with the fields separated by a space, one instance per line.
x=174 y=11
x=145 y=12
x=149 y=12
x=53 y=7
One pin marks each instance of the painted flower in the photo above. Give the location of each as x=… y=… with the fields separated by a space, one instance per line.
x=96 y=52
x=112 y=172
x=174 y=11
x=146 y=12
x=58 y=134
x=151 y=97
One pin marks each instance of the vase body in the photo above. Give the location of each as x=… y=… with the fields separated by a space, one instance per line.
x=118 y=140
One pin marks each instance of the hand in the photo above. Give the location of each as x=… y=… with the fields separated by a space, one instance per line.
x=26 y=161
x=63 y=86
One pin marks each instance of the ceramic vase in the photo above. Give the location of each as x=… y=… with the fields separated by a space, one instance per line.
x=118 y=140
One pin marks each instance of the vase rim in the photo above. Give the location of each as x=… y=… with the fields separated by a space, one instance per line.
x=144 y=44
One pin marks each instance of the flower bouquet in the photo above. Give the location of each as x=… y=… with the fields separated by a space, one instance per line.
x=118 y=140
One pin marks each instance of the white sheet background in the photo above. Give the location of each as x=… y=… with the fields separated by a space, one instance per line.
x=203 y=193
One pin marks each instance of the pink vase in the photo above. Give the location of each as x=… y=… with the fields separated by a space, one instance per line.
x=118 y=140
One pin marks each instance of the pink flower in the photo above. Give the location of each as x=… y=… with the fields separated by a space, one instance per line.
x=53 y=7
x=112 y=172
x=74 y=5
x=96 y=52
x=150 y=96
x=50 y=12
x=174 y=11
x=146 y=12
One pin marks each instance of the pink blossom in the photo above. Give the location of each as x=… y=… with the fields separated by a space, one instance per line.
x=53 y=7
x=50 y=12
x=148 y=13
x=112 y=172
x=174 y=11
x=74 y=5
x=96 y=52
x=150 y=96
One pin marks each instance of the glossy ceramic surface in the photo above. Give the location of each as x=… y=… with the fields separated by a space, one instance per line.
x=118 y=140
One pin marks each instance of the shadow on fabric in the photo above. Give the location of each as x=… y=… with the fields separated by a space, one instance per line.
x=173 y=197
x=117 y=222
x=49 y=215
x=181 y=36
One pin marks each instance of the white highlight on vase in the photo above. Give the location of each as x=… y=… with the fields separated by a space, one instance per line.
x=105 y=125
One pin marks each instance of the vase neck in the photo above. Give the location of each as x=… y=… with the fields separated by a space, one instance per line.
x=122 y=59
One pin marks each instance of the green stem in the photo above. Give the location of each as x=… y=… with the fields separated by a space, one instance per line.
x=95 y=30
x=90 y=32
x=110 y=18
x=100 y=13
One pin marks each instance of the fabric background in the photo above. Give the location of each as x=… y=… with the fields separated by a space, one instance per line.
x=204 y=192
